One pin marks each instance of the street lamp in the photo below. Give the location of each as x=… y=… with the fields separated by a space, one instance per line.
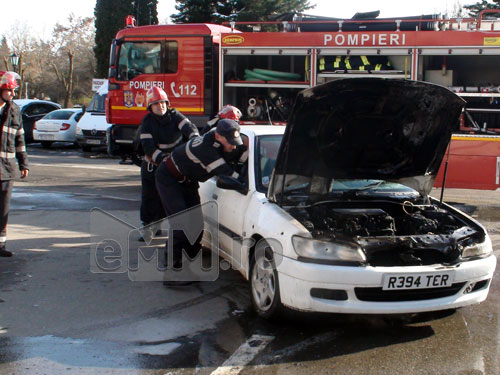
x=14 y=60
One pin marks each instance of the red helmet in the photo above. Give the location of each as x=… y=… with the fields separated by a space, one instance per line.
x=229 y=112
x=8 y=80
x=155 y=95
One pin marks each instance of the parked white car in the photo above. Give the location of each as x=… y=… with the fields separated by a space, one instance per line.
x=341 y=215
x=57 y=126
x=91 y=129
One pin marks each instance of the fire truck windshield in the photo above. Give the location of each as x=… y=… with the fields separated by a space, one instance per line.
x=138 y=58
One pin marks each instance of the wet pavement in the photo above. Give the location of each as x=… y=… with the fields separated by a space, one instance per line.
x=57 y=317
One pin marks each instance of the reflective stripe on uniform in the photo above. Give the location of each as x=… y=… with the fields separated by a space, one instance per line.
x=192 y=157
x=155 y=154
x=235 y=175
x=146 y=136
x=9 y=130
x=243 y=157
x=215 y=164
x=20 y=149
x=181 y=124
x=170 y=145
x=3 y=239
x=378 y=67
x=20 y=131
x=7 y=155
x=194 y=134
x=322 y=63
x=365 y=60
x=361 y=67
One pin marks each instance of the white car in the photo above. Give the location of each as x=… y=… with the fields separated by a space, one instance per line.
x=92 y=127
x=57 y=126
x=340 y=219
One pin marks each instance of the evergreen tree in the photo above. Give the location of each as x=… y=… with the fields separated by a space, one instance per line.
x=213 y=11
x=474 y=9
x=146 y=12
x=109 y=18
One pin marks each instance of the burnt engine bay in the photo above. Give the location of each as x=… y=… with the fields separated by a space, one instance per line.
x=393 y=233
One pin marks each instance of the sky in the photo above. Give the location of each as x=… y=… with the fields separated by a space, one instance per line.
x=41 y=16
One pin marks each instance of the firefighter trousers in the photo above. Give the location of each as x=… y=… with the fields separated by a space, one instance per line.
x=186 y=229
x=5 y=194
x=151 y=207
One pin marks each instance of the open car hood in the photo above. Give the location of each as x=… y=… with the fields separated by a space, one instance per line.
x=366 y=128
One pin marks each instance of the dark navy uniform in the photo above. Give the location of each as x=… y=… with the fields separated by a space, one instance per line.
x=159 y=136
x=177 y=181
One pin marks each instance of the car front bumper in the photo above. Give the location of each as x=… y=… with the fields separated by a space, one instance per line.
x=362 y=287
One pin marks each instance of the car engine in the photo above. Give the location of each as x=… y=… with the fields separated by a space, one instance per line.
x=392 y=233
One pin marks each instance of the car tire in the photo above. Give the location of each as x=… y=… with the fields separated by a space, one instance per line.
x=46 y=144
x=86 y=148
x=264 y=285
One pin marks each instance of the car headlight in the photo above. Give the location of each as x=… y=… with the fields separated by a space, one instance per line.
x=78 y=130
x=327 y=251
x=478 y=249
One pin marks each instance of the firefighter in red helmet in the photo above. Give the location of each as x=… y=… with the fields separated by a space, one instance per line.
x=12 y=149
x=161 y=130
x=228 y=112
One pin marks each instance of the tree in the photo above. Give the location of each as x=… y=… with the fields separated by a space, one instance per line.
x=213 y=11
x=475 y=9
x=71 y=42
x=109 y=18
x=145 y=12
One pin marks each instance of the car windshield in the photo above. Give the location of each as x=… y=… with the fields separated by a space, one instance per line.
x=352 y=189
x=267 y=147
x=59 y=115
x=97 y=103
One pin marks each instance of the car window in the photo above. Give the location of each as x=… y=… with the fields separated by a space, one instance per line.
x=78 y=116
x=139 y=58
x=97 y=103
x=59 y=115
x=39 y=109
x=267 y=147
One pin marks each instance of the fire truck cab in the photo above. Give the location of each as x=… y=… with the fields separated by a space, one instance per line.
x=181 y=59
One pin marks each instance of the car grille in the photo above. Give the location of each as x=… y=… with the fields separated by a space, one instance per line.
x=379 y=295
x=420 y=257
x=93 y=133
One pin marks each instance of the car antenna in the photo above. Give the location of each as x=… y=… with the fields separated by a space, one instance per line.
x=445 y=172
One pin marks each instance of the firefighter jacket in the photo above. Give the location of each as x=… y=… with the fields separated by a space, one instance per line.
x=159 y=135
x=12 y=144
x=203 y=157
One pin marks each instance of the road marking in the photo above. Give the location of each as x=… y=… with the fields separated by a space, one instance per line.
x=243 y=355
x=131 y=168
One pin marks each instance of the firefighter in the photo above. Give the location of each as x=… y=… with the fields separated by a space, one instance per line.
x=161 y=130
x=178 y=175
x=227 y=112
x=12 y=147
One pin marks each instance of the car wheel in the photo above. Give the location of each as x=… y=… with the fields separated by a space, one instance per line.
x=86 y=148
x=46 y=144
x=264 y=285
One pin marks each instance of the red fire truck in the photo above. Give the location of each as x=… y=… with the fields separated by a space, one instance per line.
x=203 y=67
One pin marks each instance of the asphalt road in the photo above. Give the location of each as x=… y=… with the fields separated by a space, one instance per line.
x=58 y=317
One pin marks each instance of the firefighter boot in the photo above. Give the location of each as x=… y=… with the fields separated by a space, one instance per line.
x=4 y=252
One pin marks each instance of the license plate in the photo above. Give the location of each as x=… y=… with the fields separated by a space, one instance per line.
x=46 y=137
x=426 y=280
x=93 y=142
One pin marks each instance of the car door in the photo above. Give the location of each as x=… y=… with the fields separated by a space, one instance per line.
x=231 y=208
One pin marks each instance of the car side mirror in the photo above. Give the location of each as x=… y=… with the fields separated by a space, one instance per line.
x=231 y=183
